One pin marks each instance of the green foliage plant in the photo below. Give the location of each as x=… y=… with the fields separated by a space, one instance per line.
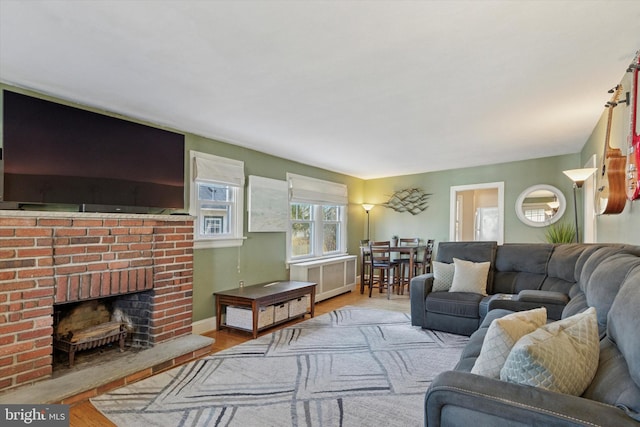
x=560 y=232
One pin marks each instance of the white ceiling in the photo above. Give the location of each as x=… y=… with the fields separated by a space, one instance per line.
x=366 y=88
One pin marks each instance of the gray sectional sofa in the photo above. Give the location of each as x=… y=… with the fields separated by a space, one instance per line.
x=521 y=276
x=573 y=278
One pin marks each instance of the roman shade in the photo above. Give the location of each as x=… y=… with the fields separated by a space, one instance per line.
x=303 y=189
x=218 y=169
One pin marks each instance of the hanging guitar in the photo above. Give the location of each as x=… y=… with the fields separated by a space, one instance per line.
x=633 y=140
x=611 y=196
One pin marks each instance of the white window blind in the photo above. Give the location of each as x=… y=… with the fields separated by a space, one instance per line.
x=218 y=169
x=303 y=189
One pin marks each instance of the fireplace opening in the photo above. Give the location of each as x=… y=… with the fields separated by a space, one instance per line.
x=94 y=331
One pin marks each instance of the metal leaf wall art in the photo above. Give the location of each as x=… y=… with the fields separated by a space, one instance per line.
x=412 y=200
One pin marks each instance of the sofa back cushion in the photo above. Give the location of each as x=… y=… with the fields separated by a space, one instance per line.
x=562 y=269
x=617 y=381
x=520 y=266
x=601 y=277
x=469 y=251
x=605 y=282
x=623 y=324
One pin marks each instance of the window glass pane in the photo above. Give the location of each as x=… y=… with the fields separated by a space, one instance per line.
x=301 y=211
x=330 y=213
x=213 y=224
x=215 y=220
x=301 y=238
x=215 y=192
x=330 y=237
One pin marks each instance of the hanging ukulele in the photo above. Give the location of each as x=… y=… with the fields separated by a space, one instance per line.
x=611 y=196
x=633 y=140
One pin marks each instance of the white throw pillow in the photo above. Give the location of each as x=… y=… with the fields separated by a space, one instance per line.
x=561 y=356
x=502 y=335
x=470 y=276
x=442 y=276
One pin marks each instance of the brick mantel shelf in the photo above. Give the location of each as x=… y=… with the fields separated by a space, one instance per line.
x=49 y=258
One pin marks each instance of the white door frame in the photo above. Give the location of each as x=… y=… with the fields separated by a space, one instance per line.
x=453 y=214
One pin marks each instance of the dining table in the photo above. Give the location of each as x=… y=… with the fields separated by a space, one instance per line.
x=412 y=250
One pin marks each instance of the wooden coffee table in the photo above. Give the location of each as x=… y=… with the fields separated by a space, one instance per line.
x=265 y=294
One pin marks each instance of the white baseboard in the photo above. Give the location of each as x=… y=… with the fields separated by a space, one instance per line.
x=204 y=325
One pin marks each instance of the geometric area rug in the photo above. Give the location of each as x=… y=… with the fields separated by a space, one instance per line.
x=351 y=367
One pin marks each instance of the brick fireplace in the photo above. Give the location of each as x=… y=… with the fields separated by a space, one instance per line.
x=48 y=259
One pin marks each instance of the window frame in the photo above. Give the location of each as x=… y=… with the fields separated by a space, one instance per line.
x=235 y=237
x=318 y=194
x=317 y=233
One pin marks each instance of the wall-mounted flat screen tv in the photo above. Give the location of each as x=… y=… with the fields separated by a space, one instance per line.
x=54 y=154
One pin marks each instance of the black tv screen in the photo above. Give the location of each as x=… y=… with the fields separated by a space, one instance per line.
x=56 y=154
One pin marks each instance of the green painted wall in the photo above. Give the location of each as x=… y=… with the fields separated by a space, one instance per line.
x=433 y=223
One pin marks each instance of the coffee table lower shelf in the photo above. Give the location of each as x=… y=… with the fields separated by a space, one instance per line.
x=252 y=298
x=271 y=325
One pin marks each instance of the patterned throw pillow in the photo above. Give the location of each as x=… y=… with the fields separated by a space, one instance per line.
x=561 y=356
x=502 y=335
x=470 y=276
x=442 y=276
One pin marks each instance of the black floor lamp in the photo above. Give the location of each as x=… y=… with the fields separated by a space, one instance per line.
x=367 y=207
x=578 y=176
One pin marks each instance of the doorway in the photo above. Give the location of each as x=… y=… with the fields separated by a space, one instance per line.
x=477 y=212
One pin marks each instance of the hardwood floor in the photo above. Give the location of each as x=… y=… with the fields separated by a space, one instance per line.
x=86 y=415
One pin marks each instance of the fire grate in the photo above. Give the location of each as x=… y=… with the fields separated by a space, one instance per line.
x=89 y=338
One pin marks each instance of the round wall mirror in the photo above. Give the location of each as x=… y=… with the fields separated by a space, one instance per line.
x=540 y=205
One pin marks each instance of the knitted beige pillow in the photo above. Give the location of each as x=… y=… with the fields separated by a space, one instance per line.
x=470 y=276
x=561 y=356
x=502 y=335
x=442 y=276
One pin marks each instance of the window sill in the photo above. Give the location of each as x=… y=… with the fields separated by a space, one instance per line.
x=218 y=243
x=318 y=259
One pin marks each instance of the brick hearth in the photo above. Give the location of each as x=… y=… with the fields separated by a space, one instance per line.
x=49 y=258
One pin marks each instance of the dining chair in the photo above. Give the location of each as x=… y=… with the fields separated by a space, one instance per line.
x=423 y=265
x=380 y=253
x=403 y=260
x=365 y=267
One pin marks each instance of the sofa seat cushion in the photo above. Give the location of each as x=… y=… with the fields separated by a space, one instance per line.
x=461 y=304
